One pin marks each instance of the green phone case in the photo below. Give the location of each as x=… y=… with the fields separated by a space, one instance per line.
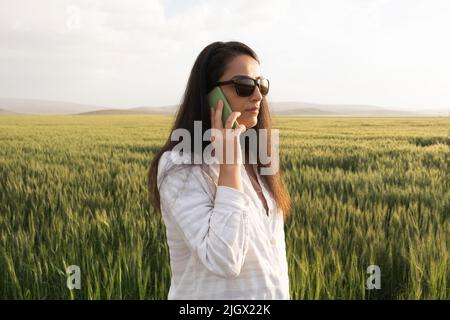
x=214 y=96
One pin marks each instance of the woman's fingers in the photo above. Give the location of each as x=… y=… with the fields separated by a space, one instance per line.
x=216 y=122
x=223 y=148
x=212 y=117
x=242 y=127
x=231 y=118
x=218 y=115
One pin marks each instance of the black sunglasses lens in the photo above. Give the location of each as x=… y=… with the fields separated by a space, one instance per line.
x=244 y=87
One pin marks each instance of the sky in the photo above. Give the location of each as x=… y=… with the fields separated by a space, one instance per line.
x=391 y=53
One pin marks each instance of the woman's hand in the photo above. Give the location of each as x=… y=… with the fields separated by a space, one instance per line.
x=230 y=173
x=226 y=140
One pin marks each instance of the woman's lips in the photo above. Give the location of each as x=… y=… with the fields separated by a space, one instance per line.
x=252 y=110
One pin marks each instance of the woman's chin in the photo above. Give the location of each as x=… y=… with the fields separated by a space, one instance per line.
x=249 y=122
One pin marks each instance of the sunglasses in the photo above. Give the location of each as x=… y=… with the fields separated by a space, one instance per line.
x=245 y=86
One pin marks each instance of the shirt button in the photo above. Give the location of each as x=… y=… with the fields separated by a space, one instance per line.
x=273 y=241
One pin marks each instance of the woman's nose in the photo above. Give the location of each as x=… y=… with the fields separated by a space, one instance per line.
x=257 y=94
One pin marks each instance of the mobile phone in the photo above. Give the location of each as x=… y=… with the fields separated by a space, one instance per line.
x=214 y=96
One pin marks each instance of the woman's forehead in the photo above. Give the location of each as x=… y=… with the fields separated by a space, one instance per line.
x=243 y=65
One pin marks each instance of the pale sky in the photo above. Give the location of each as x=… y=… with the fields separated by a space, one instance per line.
x=391 y=53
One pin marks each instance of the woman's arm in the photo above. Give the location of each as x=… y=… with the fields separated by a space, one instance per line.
x=230 y=176
x=230 y=173
x=216 y=231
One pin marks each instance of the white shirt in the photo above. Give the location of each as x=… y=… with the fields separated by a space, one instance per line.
x=222 y=244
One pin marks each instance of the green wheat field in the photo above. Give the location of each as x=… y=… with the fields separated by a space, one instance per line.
x=365 y=191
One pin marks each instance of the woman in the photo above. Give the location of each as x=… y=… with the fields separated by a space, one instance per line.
x=224 y=221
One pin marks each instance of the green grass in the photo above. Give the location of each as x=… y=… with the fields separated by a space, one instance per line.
x=365 y=191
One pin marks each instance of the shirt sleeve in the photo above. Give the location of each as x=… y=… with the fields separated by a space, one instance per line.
x=216 y=231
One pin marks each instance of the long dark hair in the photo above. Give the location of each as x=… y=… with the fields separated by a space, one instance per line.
x=209 y=66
